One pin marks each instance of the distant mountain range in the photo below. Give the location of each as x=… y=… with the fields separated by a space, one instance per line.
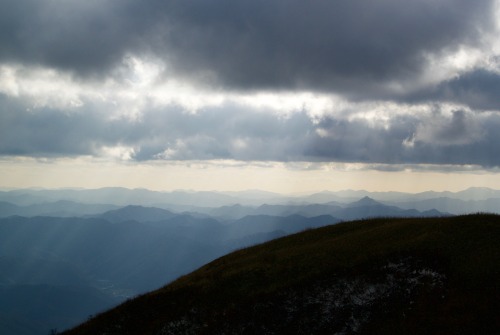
x=108 y=245
x=70 y=202
x=60 y=208
x=107 y=258
x=363 y=208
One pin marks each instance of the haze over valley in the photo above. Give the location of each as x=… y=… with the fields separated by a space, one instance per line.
x=73 y=253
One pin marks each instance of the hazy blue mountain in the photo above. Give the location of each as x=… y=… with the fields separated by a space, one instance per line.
x=448 y=205
x=277 y=210
x=470 y=194
x=347 y=196
x=211 y=230
x=194 y=201
x=366 y=201
x=61 y=208
x=231 y=212
x=317 y=209
x=361 y=208
x=21 y=197
x=8 y=209
x=304 y=210
x=474 y=193
x=364 y=207
x=119 y=196
x=137 y=213
x=328 y=196
x=116 y=195
x=207 y=230
x=369 y=208
x=454 y=206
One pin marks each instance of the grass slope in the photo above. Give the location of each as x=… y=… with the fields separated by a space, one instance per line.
x=381 y=276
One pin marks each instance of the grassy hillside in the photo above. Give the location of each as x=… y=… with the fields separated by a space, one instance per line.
x=382 y=276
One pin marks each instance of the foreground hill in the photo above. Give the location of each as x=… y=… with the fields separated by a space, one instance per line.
x=382 y=276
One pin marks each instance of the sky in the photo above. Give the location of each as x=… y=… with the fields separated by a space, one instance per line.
x=286 y=96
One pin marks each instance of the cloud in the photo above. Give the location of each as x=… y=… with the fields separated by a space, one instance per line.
x=354 y=47
x=457 y=128
x=167 y=132
x=85 y=38
x=380 y=82
x=238 y=132
x=326 y=45
x=477 y=89
x=434 y=137
x=48 y=132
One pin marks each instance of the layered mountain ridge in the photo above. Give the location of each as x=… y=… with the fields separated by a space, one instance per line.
x=54 y=244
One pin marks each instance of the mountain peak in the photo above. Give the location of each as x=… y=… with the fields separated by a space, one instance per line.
x=365 y=201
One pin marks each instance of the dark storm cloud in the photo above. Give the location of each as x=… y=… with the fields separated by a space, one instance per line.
x=436 y=139
x=345 y=45
x=237 y=132
x=231 y=132
x=50 y=132
x=348 y=46
x=479 y=89
x=459 y=128
x=228 y=132
x=84 y=37
x=356 y=141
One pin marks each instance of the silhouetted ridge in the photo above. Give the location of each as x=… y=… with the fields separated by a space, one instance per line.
x=380 y=276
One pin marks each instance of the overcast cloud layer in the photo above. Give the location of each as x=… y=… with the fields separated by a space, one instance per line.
x=382 y=81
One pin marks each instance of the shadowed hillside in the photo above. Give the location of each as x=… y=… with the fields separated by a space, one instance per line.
x=382 y=276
